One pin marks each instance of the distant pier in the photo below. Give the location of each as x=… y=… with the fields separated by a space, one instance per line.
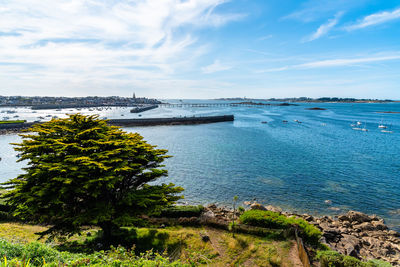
x=205 y=105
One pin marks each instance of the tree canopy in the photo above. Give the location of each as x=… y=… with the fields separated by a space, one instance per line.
x=81 y=171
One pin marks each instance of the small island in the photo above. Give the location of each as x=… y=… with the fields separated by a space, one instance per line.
x=316 y=108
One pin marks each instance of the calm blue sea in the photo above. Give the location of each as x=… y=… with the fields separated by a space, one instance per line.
x=291 y=165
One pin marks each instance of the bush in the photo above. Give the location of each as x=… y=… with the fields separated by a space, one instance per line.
x=332 y=258
x=36 y=254
x=270 y=219
x=182 y=211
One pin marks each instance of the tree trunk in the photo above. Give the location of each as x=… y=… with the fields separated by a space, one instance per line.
x=108 y=228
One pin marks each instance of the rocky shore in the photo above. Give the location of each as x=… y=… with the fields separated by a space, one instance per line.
x=354 y=233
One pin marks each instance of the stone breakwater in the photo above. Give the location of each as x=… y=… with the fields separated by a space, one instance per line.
x=354 y=233
x=16 y=127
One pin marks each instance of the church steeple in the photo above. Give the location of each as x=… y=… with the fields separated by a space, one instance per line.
x=134 y=96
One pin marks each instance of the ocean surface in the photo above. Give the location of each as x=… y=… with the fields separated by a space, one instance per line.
x=297 y=166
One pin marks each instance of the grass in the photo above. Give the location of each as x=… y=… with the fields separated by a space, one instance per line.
x=331 y=258
x=182 y=244
x=13 y=121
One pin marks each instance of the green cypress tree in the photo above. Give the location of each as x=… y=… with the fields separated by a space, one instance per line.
x=82 y=171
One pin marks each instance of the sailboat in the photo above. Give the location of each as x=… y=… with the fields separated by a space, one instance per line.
x=358 y=128
x=381 y=125
x=387 y=131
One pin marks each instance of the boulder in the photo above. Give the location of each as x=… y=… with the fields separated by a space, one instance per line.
x=212 y=206
x=359 y=217
x=366 y=226
x=257 y=206
x=379 y=225
x=273 y=208
x=207 y=215
x=351 y=245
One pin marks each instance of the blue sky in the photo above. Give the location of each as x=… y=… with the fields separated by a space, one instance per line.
x=201 y=48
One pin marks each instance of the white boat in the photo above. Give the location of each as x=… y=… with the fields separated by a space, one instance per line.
x=359 y=128
x=381 y=125
x=388 y=131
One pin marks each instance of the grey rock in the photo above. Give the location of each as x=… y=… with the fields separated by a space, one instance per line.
x=355 y=216
x=257 y=206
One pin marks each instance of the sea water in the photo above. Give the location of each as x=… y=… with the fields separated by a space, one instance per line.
x=297 y=166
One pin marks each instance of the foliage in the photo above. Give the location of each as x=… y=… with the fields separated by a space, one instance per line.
x=241 y=209
x=13 y=121
x=270 y=219
x=182 y=211
x=82 y=171
x=332 y=258
x=37 y=254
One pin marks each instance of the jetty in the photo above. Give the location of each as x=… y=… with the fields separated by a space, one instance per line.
x=12 y=127
x=171 y=121
x=143 y=108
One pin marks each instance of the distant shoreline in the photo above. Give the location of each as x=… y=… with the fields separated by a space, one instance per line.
x=310 y=100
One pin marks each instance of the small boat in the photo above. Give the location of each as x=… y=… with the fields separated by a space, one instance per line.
x=285 y=121
x=264 y=122
x=388 y=131
x=297 y=121
x=359 y=128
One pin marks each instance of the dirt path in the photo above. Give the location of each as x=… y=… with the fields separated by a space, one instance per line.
x=294 y=255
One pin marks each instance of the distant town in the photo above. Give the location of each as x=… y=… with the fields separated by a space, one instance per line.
x=38 y=102
x=314 y=100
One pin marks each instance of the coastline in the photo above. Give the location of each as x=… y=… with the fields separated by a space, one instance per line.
x=353 y=233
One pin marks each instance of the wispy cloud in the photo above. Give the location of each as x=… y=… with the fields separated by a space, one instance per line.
x=95 y=44
x=336 y=62
x=346 y=62
x=215 y=67
x=324 y=28
x=262 y=38
x=374 y=19
x=312 y=10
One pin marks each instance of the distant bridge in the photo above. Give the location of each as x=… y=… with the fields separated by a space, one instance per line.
x=205 y=105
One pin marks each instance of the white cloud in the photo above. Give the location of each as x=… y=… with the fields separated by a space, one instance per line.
x=94 y=44
x=324 y=28
x=336 y=62
x=215 y=67
x=375 y=19
x=346 y=62
x=262 y=38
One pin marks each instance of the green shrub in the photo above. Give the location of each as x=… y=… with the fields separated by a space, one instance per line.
x=270 y=219
x=330 y=258
x=182 y=211
x=37 y=254
x=262 y=218
x=308 y=232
